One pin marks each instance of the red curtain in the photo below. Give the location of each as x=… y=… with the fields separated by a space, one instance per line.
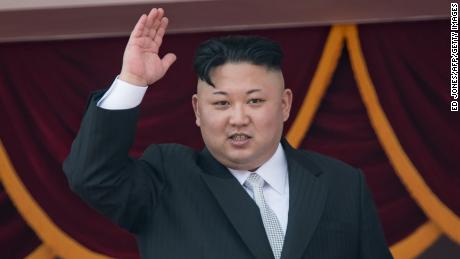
x=17 y=240
x=410 y=71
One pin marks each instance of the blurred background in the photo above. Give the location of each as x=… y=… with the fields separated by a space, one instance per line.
x=371 y=82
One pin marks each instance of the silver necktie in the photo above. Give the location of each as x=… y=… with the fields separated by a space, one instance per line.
x=272 y=226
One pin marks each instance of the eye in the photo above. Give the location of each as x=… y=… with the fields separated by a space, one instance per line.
x=256 y=101
x=221 y=104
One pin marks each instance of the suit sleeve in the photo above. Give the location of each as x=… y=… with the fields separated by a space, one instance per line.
x=101 y=172
x=373 y=244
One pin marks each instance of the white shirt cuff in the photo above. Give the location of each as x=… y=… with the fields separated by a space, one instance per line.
x=122 y=95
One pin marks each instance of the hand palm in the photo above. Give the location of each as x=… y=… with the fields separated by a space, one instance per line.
x=141 y=63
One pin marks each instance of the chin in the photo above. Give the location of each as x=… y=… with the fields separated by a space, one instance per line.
x=243 y=163
x=239 y=155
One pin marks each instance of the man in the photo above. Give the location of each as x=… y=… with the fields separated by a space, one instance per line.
x=248 y=194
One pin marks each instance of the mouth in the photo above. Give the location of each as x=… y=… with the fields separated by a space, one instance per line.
x=239 y=139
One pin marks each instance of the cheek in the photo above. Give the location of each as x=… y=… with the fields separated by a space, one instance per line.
x=269 y=119
x=212 y=121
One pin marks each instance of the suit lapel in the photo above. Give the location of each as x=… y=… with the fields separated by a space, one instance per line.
x=307 y=197
x=240 y=209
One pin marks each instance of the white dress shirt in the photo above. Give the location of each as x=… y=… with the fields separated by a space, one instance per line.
x=123 y=95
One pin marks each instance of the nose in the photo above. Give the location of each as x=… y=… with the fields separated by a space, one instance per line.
x=239 y=116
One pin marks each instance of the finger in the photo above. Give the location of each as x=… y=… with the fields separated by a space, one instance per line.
x=162 y=28
x=168 y=60
x=150 y=21
x=161 y=13
x=156 y=23
x=158 y=39
x=138 y=28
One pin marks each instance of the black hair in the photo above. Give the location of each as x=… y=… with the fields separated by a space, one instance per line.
x=255 y=50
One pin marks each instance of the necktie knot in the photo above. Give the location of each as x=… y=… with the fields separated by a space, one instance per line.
x=254 y=182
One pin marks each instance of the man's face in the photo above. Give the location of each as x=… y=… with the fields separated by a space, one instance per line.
x=241 y=118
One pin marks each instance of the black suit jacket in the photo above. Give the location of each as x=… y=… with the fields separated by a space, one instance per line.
x=180 y=203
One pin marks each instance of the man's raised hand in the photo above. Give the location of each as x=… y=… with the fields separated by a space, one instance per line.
x=141 y=64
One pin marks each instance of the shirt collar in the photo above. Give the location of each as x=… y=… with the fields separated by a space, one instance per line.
x=274 y=171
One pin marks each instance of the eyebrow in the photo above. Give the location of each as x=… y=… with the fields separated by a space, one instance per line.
x=225 y=93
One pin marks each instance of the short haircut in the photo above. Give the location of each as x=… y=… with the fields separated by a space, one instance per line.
x=255 y=50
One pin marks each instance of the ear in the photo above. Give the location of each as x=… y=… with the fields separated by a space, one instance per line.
x=286 y=103
x=195 y=109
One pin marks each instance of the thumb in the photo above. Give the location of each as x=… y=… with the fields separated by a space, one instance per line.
x=168 y=60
